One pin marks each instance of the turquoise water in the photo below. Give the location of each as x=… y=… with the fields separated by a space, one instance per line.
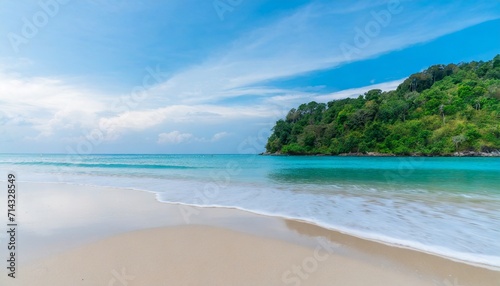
x=447 y=206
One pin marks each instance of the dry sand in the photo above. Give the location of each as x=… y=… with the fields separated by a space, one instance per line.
x=78 y=235
x=199 y=255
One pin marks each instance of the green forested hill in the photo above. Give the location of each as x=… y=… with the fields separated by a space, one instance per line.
x=440 y=111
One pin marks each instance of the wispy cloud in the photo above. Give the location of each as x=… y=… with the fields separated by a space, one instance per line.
x=355 y=92
x=306 y=41
x=114 y=127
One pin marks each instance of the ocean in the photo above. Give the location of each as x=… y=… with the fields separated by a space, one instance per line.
x=444 y=206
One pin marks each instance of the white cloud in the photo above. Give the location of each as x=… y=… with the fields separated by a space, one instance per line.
x=218 y=136
x=174 y=137
x=48 y=104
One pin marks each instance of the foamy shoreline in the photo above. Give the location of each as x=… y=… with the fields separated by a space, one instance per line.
x=474 y=260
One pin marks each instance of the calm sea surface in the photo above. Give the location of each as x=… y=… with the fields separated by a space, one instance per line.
x=447 y=206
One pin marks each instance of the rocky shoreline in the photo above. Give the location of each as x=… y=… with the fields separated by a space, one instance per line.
x=495 y=153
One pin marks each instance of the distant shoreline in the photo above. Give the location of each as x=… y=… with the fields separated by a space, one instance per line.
x=376 y=154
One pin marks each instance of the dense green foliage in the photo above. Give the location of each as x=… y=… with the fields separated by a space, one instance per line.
x=442 y=110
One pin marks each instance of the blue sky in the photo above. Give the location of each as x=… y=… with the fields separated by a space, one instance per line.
x=191 y=76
